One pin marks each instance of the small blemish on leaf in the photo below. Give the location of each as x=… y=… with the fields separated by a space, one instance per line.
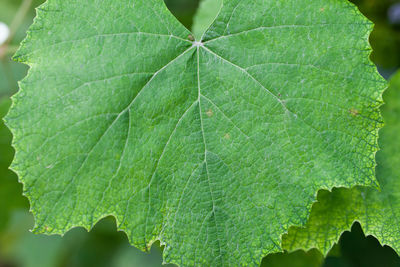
x=227 y=136
x=322 y=9
x=191 y=37
x=354 y=112
x=210 y=113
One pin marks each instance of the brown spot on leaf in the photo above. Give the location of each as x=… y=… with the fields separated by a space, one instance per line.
x=227 y=136
x=210 y=113
x=354 y=112
x=191 y=37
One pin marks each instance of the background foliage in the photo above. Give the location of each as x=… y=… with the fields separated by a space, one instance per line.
x=104 y=246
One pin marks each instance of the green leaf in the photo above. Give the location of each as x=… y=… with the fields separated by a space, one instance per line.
x=206 y=13
x=213 y=148
x=377 y=211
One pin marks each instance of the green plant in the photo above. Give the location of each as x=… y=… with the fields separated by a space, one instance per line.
x=377 y=210
x=214 y=147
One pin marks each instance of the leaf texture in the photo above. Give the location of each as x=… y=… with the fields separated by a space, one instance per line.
x=215 y=147
x=378 y=211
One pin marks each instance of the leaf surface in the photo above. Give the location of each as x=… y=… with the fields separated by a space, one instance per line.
x=214 y=148
x=377 y=211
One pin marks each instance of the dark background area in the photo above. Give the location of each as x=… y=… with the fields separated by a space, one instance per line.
x=104 y=246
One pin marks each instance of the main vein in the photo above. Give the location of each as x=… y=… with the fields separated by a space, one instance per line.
x=205 y=151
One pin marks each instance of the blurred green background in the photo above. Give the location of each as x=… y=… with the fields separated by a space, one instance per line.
x=104 y=246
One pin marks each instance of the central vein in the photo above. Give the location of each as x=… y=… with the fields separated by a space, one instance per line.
x=213 y=212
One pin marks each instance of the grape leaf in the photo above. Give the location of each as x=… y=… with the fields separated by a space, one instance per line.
x=377 y=211
x=215 y=147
